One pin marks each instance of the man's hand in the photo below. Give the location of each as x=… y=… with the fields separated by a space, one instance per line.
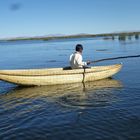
x=88 y=62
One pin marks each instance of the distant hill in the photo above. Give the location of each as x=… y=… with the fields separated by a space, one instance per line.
x=62 y=36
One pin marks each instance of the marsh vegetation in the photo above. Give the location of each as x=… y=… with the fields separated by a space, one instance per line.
x=120 y=36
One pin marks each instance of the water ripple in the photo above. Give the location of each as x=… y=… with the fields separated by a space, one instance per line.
x=57 y=111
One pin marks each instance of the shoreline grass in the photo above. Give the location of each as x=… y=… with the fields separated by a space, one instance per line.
x=121 y=36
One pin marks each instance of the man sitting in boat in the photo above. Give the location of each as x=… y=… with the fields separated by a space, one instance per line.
x=76 y=60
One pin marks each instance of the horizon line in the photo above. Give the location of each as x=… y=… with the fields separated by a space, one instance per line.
x=66 y=35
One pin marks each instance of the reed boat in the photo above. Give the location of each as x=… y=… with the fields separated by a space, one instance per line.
x=55 y=76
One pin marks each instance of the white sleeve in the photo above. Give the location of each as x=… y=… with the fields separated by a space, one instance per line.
x=80 y=61
x=70 y=57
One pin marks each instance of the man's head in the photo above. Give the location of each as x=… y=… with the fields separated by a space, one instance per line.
x=79 y=48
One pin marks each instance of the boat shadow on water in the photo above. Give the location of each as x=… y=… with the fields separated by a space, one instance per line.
x=90 y=94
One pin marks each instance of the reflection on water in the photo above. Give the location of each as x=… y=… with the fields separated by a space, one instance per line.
x=98 y=110
x=91 y=94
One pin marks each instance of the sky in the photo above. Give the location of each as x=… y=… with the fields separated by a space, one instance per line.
x=20 y=18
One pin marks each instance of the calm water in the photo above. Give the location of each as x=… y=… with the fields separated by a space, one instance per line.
x=106 y=109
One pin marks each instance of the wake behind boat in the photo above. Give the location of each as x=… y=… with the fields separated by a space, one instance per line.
x=55 y=76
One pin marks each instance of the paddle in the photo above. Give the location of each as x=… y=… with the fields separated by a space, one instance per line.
x=113 y=58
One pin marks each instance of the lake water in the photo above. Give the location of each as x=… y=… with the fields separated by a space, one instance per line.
x=102 y=110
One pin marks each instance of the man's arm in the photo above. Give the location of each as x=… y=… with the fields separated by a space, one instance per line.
x=80 y=61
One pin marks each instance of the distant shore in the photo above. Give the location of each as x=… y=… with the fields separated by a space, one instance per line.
x=121 y=35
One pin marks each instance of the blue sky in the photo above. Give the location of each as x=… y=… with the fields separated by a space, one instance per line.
x=43 y=17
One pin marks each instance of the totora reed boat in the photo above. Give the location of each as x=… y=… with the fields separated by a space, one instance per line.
x=54 y=76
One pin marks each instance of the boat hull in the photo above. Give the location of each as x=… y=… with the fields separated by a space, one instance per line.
x=58 y=75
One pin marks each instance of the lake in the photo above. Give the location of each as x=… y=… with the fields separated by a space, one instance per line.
x=105 y=109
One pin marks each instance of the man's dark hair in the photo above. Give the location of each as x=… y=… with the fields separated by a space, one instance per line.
x=78 y=47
